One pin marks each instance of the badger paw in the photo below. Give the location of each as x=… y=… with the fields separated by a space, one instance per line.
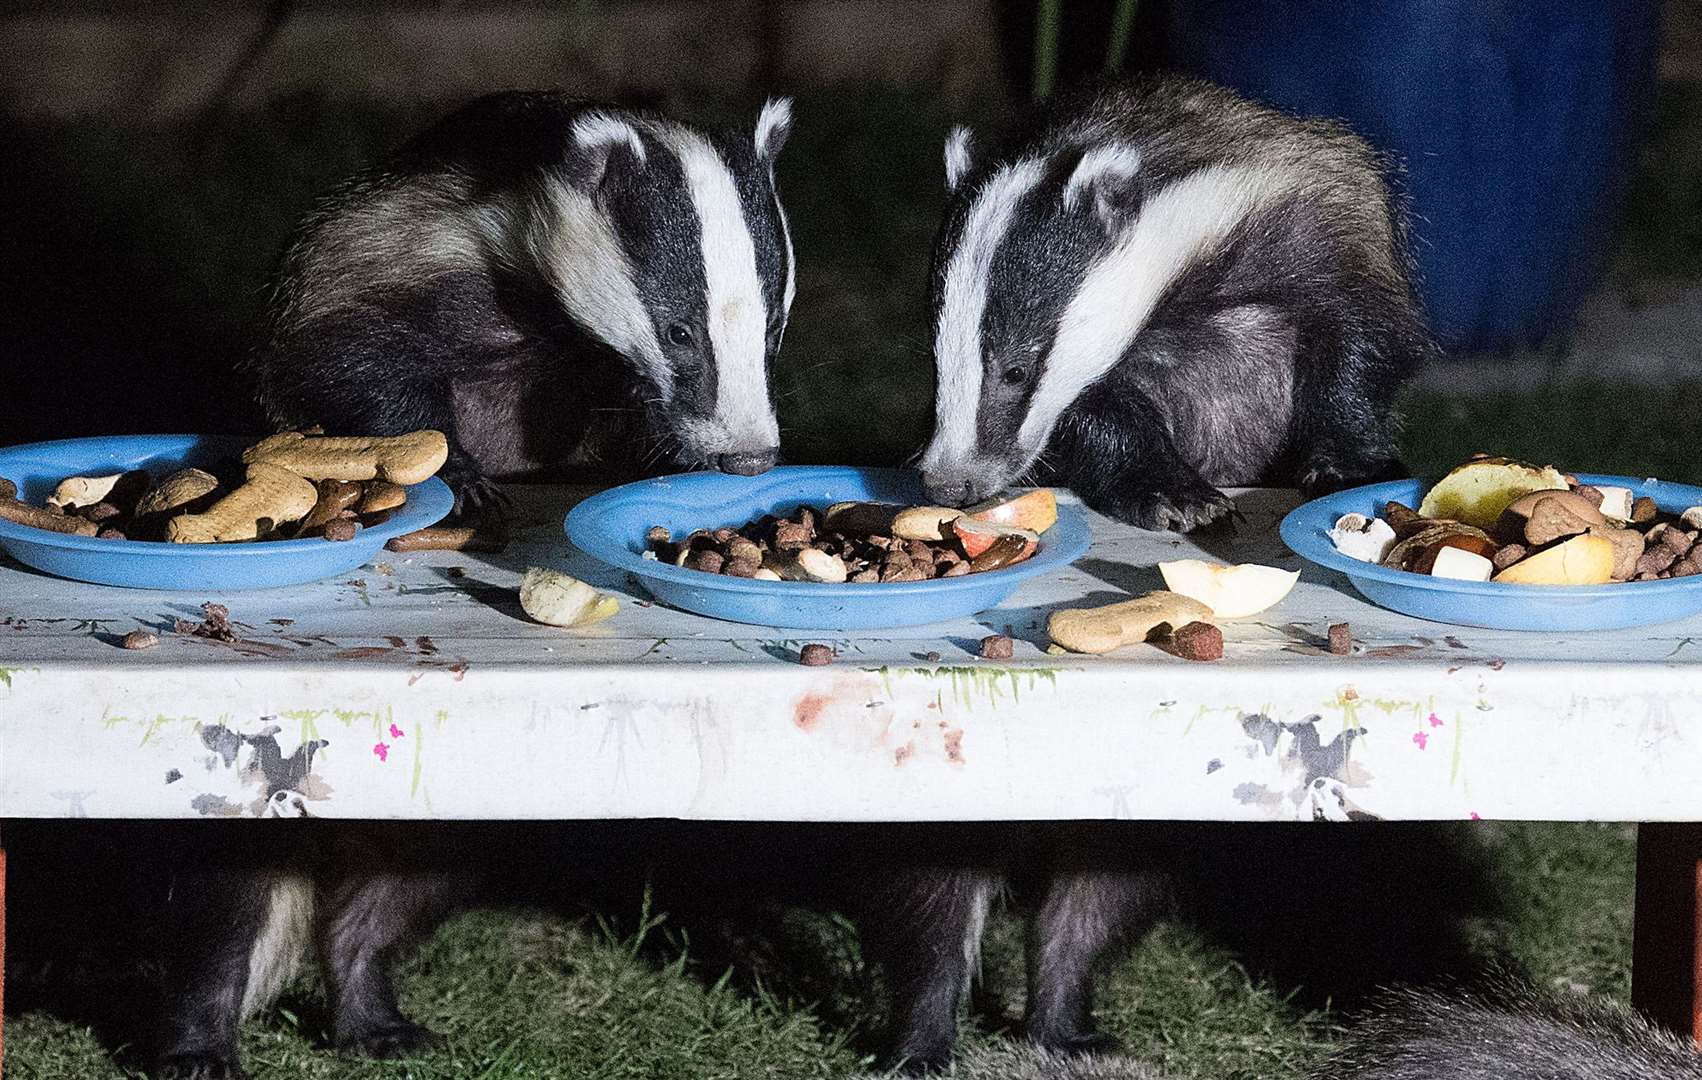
x=1177 y=510
x=1079 y=1044
x=1327 y=474
x=199 y=1067
x=478 y=499
x=401 y=1038
x=921 y=1064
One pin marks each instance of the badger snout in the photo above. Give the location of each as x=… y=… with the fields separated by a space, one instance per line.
x=960 y=487
x=749 y=462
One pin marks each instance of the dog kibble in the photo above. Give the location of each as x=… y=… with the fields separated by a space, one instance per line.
x=341 y=529
x=996 y=647
x=1197 y=641
x=1341 y=639
x=815 y=655
x=140 y=639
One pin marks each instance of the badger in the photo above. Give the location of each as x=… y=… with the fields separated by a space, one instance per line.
x=1159 y=289
x=1507 y=1030
x=551 y=283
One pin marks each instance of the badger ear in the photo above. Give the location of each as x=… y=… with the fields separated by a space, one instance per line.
x=1106 y=179
x=960 y=153
x=605 y=144
x=773 y=125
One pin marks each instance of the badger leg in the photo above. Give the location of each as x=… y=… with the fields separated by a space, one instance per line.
x=215 y=917
x=1344 y=423
x=929 y=927
x=1113 y=448
x=371 y=920
x=1086 y=910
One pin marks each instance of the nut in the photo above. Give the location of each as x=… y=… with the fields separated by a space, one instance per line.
x=179 y=491
x=380 y=495
x=997 y=647
x=334 y=497
x=1103 y=629
x=815 y=655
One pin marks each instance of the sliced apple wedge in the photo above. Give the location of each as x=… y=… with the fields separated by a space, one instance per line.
x=976 y=537
x=1035 y=510
x=1582 y=560
x=1230 y=591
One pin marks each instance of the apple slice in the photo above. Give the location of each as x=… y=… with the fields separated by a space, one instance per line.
x=1582 y=560
x=976 y=537
x=1230 y=591
x=1035 y=510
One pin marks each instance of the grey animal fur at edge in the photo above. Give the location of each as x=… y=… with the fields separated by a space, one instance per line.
x=542 y=279
x=1507 y=1031
x=1160 y=289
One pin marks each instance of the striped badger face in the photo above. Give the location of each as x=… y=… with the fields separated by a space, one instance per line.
x=684 y=267
x=1028 y=308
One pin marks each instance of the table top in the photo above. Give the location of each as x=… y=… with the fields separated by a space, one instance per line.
x=418 y=689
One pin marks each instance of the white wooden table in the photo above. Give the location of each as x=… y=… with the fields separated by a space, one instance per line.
x=417 y=689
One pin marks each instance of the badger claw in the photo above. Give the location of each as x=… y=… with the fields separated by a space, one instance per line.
x=1326 y=474
x=199 y=1067
x=479 y=499
x=401 y=1039
x=1179 y=511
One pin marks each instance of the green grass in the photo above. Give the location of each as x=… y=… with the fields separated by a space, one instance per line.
x=527 y=996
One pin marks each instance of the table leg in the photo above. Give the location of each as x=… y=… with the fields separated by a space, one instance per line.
x=1666 y=952
x=2 y=957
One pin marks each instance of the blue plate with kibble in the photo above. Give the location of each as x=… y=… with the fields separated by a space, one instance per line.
x=1490 y=604
x=610 y=527
x=37 y=468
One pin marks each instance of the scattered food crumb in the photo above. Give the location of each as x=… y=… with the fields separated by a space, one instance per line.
x=1055 y=649
x=215 y=625
x=996 y=647
x=931 y=656
x=281 y=622
x=815 y=655
x=1341 y=639
x=1197 y=641
x=385 y=568
x=140 y=639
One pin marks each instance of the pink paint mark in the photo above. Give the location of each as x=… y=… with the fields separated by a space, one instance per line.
x=395 y=732
x=381 y=751
x=1435 y=721
x=1420 y=737
x=1475 y=816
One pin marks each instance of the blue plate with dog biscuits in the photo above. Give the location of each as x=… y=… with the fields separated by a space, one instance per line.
x=611 y=526
x=1495 y=605
x=37 y=468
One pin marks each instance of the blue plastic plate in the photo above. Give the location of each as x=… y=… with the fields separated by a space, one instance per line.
x=139 y=564
x=611 y=527
x=1485 y=603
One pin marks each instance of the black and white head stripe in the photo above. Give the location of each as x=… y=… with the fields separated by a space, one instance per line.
x=670 y=246
x=1056 y=263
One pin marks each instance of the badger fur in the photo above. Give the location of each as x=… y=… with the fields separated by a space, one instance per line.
x=545 y=279
x=1161 y=290
x=1508 y=1031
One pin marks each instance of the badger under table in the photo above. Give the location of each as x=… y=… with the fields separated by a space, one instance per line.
x=415 y=688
